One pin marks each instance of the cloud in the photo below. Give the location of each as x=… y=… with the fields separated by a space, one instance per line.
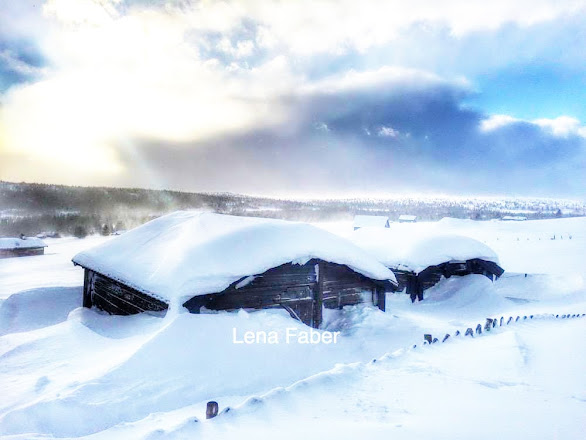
x=242 y=96
x=15 y=64
x=437 y=146
x=562 y=126
x=388 y=132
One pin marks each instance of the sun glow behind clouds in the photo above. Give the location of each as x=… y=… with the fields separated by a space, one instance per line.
x=124 y=75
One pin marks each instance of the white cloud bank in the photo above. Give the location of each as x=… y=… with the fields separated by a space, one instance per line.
x=562 y=126
x=119 y=71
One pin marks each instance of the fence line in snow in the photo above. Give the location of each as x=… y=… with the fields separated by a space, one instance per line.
x=492 y=323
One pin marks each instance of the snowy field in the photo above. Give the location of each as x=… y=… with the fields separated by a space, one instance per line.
x=68 y=372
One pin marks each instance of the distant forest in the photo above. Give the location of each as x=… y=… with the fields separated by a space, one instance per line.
x=31 y=208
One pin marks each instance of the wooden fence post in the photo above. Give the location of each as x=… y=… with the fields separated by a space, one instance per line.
x=211 y=410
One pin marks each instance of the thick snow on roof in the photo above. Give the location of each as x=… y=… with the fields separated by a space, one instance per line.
x=518 y=218
x=191 y=253
x=361 y=221
x=407 y=218
x=10 y=243
x=399 y=250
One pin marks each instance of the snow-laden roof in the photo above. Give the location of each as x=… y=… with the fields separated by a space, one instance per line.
x=518 y=218
x=401 y=250
x=362 y=221
x=10 y=243
x=191 y=253
x=407 y=218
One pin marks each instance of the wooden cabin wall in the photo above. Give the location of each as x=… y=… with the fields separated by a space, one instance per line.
x=116 y=298
x=415 y=284
x=9 y=253
x=288 y=285
x=297 y=288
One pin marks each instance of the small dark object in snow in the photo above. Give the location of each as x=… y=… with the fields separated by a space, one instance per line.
x=510 y=319
x=488 y=324
x=557 y=316
x=427 y=337
x=530 y=316
x=415 y=346
x=211 y=410
x=457 y=333
x=434 y=340
x=255 y=401
x=479 y=329
x=469 y=331
x=516 y=319
x=501 y=321
x=524 y=317
x=446 y=337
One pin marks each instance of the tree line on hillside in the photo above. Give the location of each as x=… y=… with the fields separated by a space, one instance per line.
x=31 y=208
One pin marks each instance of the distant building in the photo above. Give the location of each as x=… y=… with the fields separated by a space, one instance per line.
x=513 y=218
x=404 y=218
x=221 y=262
x=370 y=221
x=21 y=247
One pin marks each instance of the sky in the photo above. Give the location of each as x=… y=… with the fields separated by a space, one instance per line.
x=302 y=98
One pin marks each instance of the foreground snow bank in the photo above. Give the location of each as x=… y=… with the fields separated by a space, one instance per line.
x=171 y=363
x=503 y=385
x=37 y=308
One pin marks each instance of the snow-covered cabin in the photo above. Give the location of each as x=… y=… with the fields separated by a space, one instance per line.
x=405 y=218
x=420 y=262
x=370 y=221
x=218 y=262
x=514 y=218
x=21 y=247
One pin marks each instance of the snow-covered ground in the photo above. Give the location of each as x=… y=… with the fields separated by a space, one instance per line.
x=68 y=372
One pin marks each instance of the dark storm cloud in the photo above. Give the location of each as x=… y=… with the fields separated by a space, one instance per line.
x=405 y=138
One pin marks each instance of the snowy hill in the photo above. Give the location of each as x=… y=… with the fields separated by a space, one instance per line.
x=68 y=372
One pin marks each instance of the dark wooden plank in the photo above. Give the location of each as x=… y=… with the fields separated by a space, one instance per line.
x=87 y=294
x=117 y=298
x=318 y=294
